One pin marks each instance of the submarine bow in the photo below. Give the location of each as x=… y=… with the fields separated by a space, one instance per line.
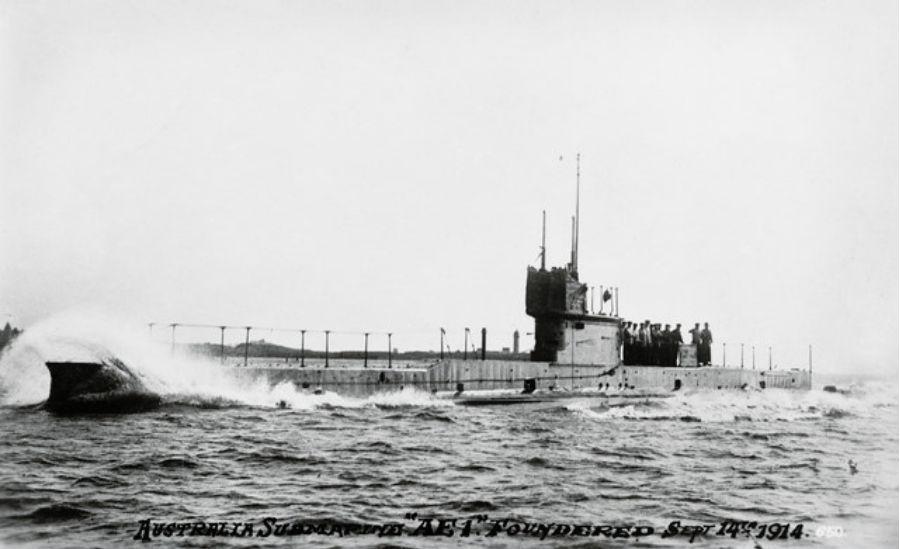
x=106 y=386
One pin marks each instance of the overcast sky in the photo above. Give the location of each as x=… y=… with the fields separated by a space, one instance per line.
x=383 y=165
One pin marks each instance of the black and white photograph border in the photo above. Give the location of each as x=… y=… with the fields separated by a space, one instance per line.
x=449 y=274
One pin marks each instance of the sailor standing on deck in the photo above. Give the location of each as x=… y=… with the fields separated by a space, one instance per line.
x=695 y=340
x=705 y=343
x=635 y=344
x=677 y=340
x=644 y=338
x=626 y=348
x=666 y=346
x=655 y=341
x=660 y=341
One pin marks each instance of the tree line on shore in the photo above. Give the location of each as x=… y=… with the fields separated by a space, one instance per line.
x=270 y=350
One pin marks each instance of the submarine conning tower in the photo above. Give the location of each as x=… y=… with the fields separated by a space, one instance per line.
x=564 y=331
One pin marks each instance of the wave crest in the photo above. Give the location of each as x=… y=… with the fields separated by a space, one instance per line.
x=179 y=379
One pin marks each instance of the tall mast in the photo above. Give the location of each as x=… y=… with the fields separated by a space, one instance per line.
x=544 y=240
x=572 y=260
x=575 y=220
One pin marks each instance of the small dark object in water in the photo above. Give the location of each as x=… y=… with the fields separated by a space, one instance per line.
x=319 y=391
x=833 y=389
x=282 y=404
x=852 y=465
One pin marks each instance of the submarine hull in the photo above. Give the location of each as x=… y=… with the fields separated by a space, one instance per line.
x=512 y=382
x=97 y=387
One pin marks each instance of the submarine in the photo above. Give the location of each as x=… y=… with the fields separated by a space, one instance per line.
x=577 y=353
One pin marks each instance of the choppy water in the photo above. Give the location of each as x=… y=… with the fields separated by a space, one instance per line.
x=699 y=458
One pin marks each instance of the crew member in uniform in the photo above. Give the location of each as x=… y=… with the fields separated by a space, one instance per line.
x=666 y=345
x=635 y=343
x=660 y=346
x=646 y=341
x=663 y=346
x=705 y=342
x=632 y=338
x=695 y=340
x=626 y=339
x=676 y=342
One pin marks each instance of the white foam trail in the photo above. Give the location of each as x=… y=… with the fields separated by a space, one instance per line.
x=89 y=336
x=263 y=395
x=758 y=405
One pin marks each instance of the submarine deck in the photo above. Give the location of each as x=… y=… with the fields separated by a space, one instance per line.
x=469 y=376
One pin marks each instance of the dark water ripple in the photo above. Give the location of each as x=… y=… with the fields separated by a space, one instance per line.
x=86 y=481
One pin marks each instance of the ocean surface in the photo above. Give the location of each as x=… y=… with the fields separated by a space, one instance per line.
x=342 y=471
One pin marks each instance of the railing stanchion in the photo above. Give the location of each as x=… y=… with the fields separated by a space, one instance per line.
x=247 y=345
x=390 y=351
x=303 y=348
x=327 y=333
x=366 y=352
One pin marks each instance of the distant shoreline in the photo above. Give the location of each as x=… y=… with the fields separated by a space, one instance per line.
x=269 y=350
